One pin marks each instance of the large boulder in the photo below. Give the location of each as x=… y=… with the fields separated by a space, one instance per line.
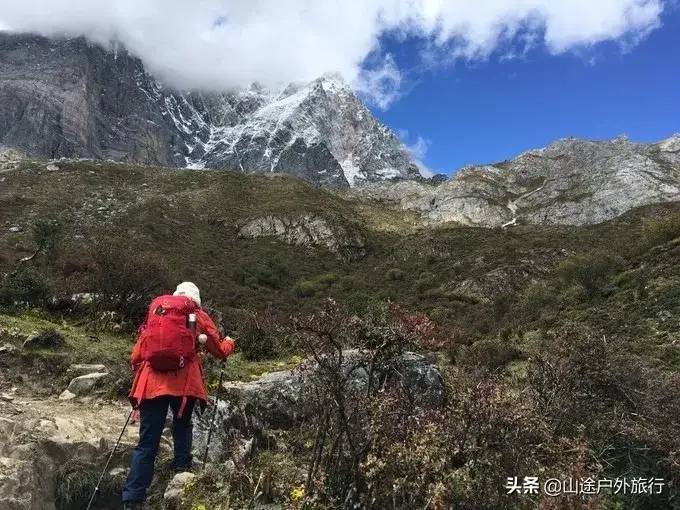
x=307 y=230
x=48 y=339
x=84 y=384
x=278 y=400
x=46 y=444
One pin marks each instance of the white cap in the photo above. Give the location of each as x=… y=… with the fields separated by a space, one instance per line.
x=189 y=290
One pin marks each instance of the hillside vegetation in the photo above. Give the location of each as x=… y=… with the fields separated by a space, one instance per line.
x=558 y=344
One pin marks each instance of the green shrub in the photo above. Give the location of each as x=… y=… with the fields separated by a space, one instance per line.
x=490 y=353
x=274 y=274
x=261 y=337
x=439 y=314
x=395 y=275
x=28 y=286
x=360 y=302
x=312 y=286
x=425 y=281
x=590 y=271
x=327 y=279
x=537 y=297
x=47 y=339
x=662 y=230
x=307 y=288
x=350 y=283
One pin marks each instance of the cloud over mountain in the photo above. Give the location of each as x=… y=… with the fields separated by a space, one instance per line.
x=217 y=44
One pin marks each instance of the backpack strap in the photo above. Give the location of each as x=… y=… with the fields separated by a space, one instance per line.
x=182 y=406
x=180 y=413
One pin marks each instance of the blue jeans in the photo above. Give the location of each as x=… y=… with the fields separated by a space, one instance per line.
x=152 y=419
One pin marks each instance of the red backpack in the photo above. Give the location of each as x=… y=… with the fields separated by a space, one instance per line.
x=170 y=333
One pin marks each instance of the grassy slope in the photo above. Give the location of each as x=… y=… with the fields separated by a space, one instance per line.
x=190 y=220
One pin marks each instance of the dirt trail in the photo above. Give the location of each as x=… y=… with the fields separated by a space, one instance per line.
x=59 y=420
x=40 y=435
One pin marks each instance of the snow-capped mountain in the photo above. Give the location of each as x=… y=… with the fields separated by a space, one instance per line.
x=69 y=98
x=319 y=131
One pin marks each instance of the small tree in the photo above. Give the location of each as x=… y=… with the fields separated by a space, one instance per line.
x=47 y=235
x=124 y=281
x=261 y=335
x=354 y=358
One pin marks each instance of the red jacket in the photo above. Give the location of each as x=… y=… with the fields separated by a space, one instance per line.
x=186 y=382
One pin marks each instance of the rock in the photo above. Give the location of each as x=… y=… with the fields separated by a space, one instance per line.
x=10 y=158
x=52 y=167
x=8 y=349
x=86 y=369
x=500 y=281
x=173 y=492
x=307 y=230
x=48 y=339
x=85 y=383
x=273 y=400
x=20 y=484
x=66 y=395
x=49 y=440
x=14 y=229
x=244 y=449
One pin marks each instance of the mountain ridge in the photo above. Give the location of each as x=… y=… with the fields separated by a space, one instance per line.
x=75 y=99
x=69 y=98
x=571 y=182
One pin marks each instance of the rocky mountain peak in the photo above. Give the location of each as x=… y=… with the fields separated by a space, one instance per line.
x=571 y=181
x=671 y=144
x=70 y=98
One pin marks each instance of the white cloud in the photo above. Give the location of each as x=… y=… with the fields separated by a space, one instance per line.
x=418 y=149
x=217 y=44
x=380 y=83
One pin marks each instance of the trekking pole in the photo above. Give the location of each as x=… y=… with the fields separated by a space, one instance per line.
x=212 y=419
x=115 y=447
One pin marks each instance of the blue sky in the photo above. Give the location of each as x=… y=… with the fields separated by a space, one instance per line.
x=494 y=109
x=437 y=69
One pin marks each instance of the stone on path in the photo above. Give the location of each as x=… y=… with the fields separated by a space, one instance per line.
x=83 y=384
x=173 y=492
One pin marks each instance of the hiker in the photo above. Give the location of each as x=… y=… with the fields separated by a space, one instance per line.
x=168 y=374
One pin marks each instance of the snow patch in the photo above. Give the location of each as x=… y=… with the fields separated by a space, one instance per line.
x=351 y=170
